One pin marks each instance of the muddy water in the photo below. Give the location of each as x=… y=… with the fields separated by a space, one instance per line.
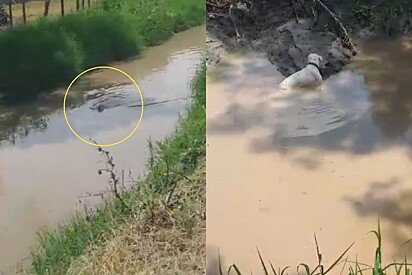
x=284 y=166
x=47 y=169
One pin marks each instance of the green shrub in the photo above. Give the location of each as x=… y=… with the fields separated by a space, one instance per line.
x=39 y=57
x=36 y=58
x=102 y=36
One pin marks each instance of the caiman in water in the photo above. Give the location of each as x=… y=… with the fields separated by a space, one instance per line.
x=114 y=96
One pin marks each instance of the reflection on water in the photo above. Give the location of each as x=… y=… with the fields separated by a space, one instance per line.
x=328 y=161
x=44 y=169
x=387 y=69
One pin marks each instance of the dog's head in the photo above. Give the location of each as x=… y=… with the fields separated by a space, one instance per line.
x=315 y=58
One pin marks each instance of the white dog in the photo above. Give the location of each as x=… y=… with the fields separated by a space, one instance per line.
x=308 y=76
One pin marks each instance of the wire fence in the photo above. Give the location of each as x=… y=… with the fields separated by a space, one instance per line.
x=14 y=12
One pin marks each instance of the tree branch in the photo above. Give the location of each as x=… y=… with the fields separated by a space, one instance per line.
x=348 y=39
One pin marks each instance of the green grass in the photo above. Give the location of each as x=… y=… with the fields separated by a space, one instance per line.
x=172 y=160
x=342 y=265
x=383 y=14
x=50 y=52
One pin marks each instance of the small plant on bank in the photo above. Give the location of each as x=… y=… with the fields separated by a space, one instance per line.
x=116 y=186
x=353 y=267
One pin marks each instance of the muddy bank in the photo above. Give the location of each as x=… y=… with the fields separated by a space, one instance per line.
x=286 y=46
x=287 y=33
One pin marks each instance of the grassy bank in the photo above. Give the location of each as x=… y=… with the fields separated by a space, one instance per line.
x=48 y=53
x=158 y=226
x=342 y=265
x=391 y=16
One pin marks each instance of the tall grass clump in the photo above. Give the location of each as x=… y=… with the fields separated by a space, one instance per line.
x=186 y=147
x=34 y=58
x=48 y=53
x=170 y=162
x=342 y=265
x=158 y=20
x=102 y=36
x=384 y=15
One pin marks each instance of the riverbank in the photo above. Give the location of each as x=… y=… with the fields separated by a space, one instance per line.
x=288 y=34
x=48 y=53
x=168 y=205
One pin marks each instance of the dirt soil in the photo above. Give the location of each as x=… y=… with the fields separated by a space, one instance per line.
x=285 y=40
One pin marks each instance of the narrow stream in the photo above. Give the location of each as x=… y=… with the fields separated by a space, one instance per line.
x=45 y=169
x=282 y=166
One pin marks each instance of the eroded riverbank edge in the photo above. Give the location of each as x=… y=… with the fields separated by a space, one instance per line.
x=287 y=42
x=158 y=217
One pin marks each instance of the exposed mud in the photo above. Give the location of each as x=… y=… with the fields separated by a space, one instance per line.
x=215 y=50
x=284 y=40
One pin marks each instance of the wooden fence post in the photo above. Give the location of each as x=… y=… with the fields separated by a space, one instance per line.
x=11 y=12
x=46 y=7
x=77 y=5
x=62 y=6
x=83 y=4
x=23 y=5
x=88 y=3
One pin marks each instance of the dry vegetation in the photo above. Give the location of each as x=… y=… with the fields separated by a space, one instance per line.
x=168 y=244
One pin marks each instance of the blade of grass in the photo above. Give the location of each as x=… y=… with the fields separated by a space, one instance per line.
x=358 y=269
x=319 y=255
x=307 y=269
x=284 y=270
x=262 y=262
x=340 y=257
x=398 y=271
x=369 y=266
x=377 y=267
x=343 y=267
x=273 y=269
x=235 y=268
x=395 y=264
x=220 y=263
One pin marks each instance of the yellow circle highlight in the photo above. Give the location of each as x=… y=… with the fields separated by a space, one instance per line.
x=109 y=144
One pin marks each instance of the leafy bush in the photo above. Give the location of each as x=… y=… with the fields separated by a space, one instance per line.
x=102 y=36
x=35 y=58
x=39 y=57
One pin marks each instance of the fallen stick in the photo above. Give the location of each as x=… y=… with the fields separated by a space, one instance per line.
x=296 y=11
x=223 y=6
x=349 y=42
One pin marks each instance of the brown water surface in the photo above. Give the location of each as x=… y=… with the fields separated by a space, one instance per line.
x=45 y=168
x=283 y=166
